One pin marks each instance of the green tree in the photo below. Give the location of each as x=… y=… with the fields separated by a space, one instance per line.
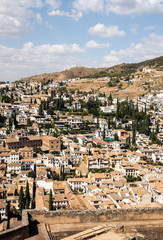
x=40 y=111
x=110 y=99
x=157 y=127
x=21 y=200
x=47 y=105
x=50 y=201
x=27 y=196
x=70 y=100
x=10 y=121
x=14 y=119
x=128 y=142
x=44 y=105
x=116 y=138
x=29 y=122
x=133 y=134
x=50 y=111
x=32 y=174
x=55 y=176
x=109 y=123
x=93 y=106
x=62 y=173
x=118 y=109
x=104 y=133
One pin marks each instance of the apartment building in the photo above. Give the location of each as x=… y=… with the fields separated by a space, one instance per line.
x=52 y=143
x=21 y=142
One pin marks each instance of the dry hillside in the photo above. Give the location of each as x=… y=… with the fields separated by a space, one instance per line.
x=126 y=79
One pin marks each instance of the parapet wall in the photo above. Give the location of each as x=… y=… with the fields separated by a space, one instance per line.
x=66 y=223
x=118 y=215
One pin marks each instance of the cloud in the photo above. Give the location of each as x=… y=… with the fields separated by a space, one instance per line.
x=120 y=7
x=88 y=5
x=136 y=7
x=16 y=15
x=149 y=48
x=39 y=19
x=104 y=31
x=54 y=4
x=79 y=7
x=73 y=14
x=134 y=28
x=151 y=27
x=93 y=44
x=31 y=59
x=57 y=13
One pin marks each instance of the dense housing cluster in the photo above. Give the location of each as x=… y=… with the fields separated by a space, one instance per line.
x=67 y=149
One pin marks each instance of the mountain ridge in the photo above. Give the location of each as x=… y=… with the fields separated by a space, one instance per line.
x=123 y=69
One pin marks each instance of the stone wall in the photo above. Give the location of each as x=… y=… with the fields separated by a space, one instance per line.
x=148 y=221
x=17 y=233
x=73 y=217
x=66 y=223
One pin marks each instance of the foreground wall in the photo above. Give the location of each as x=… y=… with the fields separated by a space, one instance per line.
x=148 y=221
x=17 y=233
x=73 y=217
x=65 y=223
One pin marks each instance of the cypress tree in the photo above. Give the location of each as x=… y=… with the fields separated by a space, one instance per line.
x=128 y=142
x=133 y=135
x=50 y=201
x=145 y=108
x=44 y=105
x=47 y=105
x=27 y=196
x=40 y=112
x=117 y=112
x=157 y=127
x=116 y=138
x=147 y=124
x=10 y=121
x=109 y=123
x=110 y=99
x=14 y=118
x=21 y=199
x=104 y=133
x=62 y=173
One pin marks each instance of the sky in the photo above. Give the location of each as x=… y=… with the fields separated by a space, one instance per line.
x=43 y=36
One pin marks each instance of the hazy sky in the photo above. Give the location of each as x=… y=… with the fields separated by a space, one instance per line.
x=38 y=36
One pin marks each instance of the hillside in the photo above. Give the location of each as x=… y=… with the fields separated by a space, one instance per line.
x=75 y=72
x=83 y=72
x=124 y=80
